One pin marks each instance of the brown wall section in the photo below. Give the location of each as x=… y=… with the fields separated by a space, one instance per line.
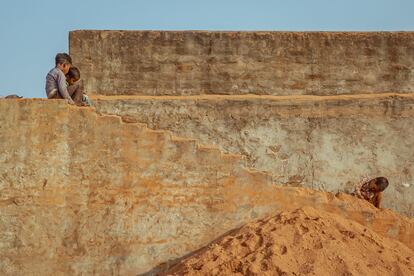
x=266 y=63
x=83 y=194
x=327 y=143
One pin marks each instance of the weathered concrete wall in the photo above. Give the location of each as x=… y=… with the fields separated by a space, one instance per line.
x=82 y=194
x=268 y=63
x=326 y=143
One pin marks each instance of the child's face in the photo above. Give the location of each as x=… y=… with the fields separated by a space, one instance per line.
x=72 y=80
x=373 y=186
x=64 y=67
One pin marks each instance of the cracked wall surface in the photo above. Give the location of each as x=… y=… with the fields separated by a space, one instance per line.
x=87 y=193
x=179 y=81
x=326 y=143
x=83 y=194
x=263 y=63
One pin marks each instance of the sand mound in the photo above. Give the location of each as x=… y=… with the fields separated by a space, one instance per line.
x=304 y=241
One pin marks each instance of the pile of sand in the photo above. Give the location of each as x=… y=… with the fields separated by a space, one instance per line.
x=304 y=241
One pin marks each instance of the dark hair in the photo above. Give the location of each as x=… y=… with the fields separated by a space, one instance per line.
x=73 y=73
x=381 y=183
x=63 y=58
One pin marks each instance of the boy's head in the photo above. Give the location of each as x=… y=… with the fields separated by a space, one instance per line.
x=73 y=75
x=379 y=184
x=63 y=61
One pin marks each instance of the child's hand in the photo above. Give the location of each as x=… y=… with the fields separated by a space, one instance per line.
x=70 y=101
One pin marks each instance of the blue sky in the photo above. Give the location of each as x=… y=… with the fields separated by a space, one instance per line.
x=32 y=32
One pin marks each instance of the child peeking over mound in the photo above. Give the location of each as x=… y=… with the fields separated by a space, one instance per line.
x=371 y=190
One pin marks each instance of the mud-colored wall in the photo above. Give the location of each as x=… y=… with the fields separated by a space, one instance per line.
x=327 y=143
x=268 y=63
x=83 y=194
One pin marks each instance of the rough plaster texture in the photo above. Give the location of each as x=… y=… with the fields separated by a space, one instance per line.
x=326 y=143
x=268 y=63
x=83 y=194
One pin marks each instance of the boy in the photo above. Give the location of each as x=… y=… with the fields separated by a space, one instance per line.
x=56 y=80
x=75 y=87
x=371 y=190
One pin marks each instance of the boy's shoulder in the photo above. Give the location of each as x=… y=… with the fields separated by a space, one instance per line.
x=55 y=71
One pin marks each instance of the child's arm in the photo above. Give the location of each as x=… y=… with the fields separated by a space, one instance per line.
x=377 y=200
x=63 y=90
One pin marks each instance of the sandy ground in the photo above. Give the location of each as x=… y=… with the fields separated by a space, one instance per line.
x=304 y=241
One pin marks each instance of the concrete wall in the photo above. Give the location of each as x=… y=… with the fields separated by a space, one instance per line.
x=82 y=194
x=266 y=63
x=174 y=78
x=326 y=143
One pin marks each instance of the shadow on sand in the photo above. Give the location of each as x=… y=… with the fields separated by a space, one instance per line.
x=160 y=269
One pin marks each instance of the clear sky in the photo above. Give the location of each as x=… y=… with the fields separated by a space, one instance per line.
x=33 y=31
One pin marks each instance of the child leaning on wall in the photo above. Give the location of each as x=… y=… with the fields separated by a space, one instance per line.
x=75 y=87
x=56 y=87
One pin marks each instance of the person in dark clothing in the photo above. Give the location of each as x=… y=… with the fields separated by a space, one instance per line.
x=75 y=87
x=371 y=190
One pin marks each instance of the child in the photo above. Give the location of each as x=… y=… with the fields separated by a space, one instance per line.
x=75 y=87
x=56 y=80
x=371 y=190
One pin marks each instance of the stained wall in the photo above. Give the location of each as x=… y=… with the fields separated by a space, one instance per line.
x=82 y=193
x=263 y=63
